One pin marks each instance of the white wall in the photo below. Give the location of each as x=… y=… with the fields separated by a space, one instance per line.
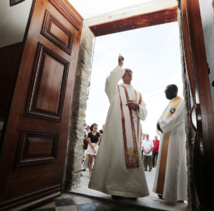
x=207 y=16
x=13 y=21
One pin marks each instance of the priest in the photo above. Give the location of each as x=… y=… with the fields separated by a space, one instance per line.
x=118 y=169
x=171 y=173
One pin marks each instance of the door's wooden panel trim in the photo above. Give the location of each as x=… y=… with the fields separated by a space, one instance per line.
x=32 y=199
x=48 y=86
x=56 y=32
x=203 y=143
x=68 y=12
x=186 y=47
x=37 y=147
x=135 y=22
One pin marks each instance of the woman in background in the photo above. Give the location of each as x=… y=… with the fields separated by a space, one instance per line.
x=93 y=142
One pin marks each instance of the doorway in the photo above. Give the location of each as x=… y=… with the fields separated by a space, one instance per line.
x=153 y=53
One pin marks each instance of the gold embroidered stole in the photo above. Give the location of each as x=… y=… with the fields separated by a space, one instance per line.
x=130 y=140
x=164 y=151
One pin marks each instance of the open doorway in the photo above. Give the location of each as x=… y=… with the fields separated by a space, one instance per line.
x=153 y=53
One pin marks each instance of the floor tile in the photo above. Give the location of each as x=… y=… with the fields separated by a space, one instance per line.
x=102 y=206
x=45 y=209
x=81 y=200
x=87 y=207
x=67 y=208
x=64 y=202
x=65 y=195
x=48 y=205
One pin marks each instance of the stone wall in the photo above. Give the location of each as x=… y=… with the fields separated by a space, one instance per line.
x=81 y=90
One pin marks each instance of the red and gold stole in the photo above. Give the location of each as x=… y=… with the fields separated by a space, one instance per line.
x=164 y=151
x=130 y=139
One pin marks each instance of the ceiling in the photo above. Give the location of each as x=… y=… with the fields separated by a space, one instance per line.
x=93 y=8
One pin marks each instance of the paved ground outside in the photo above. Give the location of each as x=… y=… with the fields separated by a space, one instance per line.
x=149 y=178
x=151 y=201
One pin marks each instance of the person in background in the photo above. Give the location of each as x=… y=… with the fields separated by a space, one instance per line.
x=93 y=142
x=101 y=132
x=143 y=136
x=155 y=151
x=87 y=129
x=147 y=152
x=85 y=146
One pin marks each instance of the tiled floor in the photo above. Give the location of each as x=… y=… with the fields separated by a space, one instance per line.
x=68 y=202
x=84 y=199
x=151 y=202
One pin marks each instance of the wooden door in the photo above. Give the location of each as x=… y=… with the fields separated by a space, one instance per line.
x=200 y=100
x=32 y=157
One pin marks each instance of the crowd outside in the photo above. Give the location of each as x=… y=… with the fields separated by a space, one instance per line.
x=149 y=159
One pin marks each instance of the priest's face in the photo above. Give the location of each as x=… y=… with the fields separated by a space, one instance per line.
x=170 y=92
x=127 y=77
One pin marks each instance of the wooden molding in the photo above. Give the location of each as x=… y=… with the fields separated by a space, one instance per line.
x=68 y=12
x=32 y=199
x=39 y=95
x=65 y=41
x=135 y=22
x=37 y=148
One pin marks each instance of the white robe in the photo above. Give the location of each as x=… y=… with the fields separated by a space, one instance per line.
x=110 y=173
x=175 y=185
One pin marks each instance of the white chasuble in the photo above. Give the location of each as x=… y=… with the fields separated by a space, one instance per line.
x=171 y=172
x=118 y=168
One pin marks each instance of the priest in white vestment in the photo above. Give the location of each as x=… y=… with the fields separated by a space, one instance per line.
x=118 y=169
x=171 y=171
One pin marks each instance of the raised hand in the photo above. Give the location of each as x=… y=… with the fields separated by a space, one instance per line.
x=120 y=60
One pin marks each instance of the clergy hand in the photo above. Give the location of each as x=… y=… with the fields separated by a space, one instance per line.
x=120 y=60
x=158 y=127
x=133 y=105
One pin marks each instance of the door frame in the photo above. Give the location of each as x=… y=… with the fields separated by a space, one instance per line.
x=196 y=73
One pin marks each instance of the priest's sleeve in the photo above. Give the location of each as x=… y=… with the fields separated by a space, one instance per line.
x=142 y=111
x=112 y=81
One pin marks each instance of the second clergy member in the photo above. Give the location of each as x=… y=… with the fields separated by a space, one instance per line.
x=171 y=172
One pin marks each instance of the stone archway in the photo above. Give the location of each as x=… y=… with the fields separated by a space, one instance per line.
x=74 y=153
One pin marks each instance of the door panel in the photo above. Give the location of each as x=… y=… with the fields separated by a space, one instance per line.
x=201 y=102
x=47 y=91
x=34 y=145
